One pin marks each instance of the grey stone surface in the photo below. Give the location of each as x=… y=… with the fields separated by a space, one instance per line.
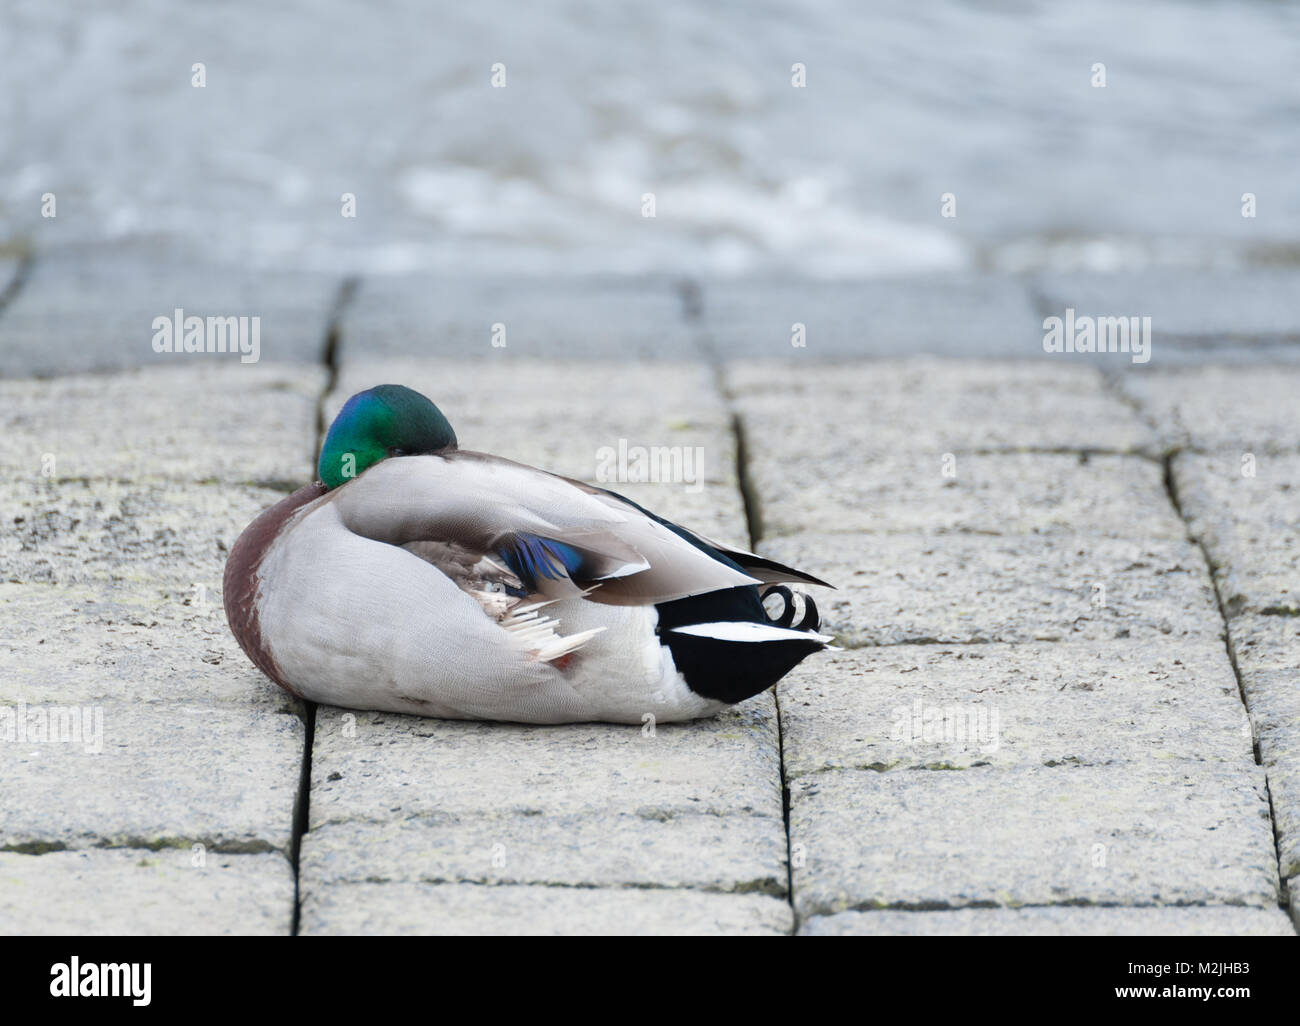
x=1082 y=773
x=1080 y=764
x=1234 y=410
x=165 y=775
x=853 y=412
x=95 y=311
x=122 y=495
x=111 y=563
x=1181 y=832
x=1058 y=921
x=469 y=909
x=711 y=767
x=1250 y=526
x=436 y=317
x=140 y=892
x=914 y=707
x=920 y=493
x=1119 y=724
x=199 y=422
x=110 y=640
x=1265 y=643
x=952 y=315
x=1234 y=306
x=646 y=847
x=410 y=799
x=403 y=801
x=70 y=531
x=965 y=588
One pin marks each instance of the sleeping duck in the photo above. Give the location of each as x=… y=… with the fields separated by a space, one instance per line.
x=416 y=577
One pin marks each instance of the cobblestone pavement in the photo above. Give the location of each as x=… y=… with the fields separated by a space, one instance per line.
x=1068 y=599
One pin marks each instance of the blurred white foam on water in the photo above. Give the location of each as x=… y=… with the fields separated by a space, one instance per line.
x=604 y=103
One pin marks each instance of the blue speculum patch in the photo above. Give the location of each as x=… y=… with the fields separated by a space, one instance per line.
x=529 y=557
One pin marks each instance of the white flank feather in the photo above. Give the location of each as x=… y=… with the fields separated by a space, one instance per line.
x=539 y=635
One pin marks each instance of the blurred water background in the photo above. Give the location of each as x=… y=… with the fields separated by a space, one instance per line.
x=392 y=100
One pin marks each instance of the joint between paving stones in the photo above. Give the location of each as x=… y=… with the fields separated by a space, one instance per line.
x=329 y=357
x=762 y=886
x=330 y=347
x=692 y=298
x=1171 y=489
x=19 y=279
x=938 y=906
x=152 y=844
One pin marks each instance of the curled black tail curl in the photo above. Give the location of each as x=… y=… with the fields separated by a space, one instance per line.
x=790 y=604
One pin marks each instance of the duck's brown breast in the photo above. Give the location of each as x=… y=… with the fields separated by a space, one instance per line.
x=241 y=581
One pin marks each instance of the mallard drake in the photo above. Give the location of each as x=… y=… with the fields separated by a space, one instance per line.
x=417 y=577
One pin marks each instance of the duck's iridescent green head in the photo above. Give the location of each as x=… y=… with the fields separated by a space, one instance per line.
x=387 y=420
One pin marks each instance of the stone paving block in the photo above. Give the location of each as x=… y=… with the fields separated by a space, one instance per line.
x=198 y=422
x=469 y=909
x=99 y=642
x=435 y=316
x=1280 y=756
x=1230 y=305
x=130 y=891
x=950 y=315
x=558 y=415
x=1058 y=921
x=113 y=592
x=410 y=799
x=1266 y=650
x=149 y=776
x=965 y=588
x=647 y=847
x=910 y=707
x=1262 y=643
x=1267 y=653
x=1250 y=526
x=117 y=543
x=69 y=531
x=937 y=493
x=95 y=311
x=1181 y=832
x=847 y=413
x=1230 y=409
x=404 y=766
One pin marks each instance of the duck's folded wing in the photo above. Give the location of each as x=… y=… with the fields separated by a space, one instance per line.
x=559 y=539
x=769 y=571
x=766 y=571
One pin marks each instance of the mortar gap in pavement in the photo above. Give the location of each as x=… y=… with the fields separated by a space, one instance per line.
x=692 y=297
x=1284 y=895
x=347 y=291
x=1059 y=450
x=1171 y=489
x=1110 y=380
x=301 y=811
x=16 y=283
x=754 y=527
x=302 y=805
